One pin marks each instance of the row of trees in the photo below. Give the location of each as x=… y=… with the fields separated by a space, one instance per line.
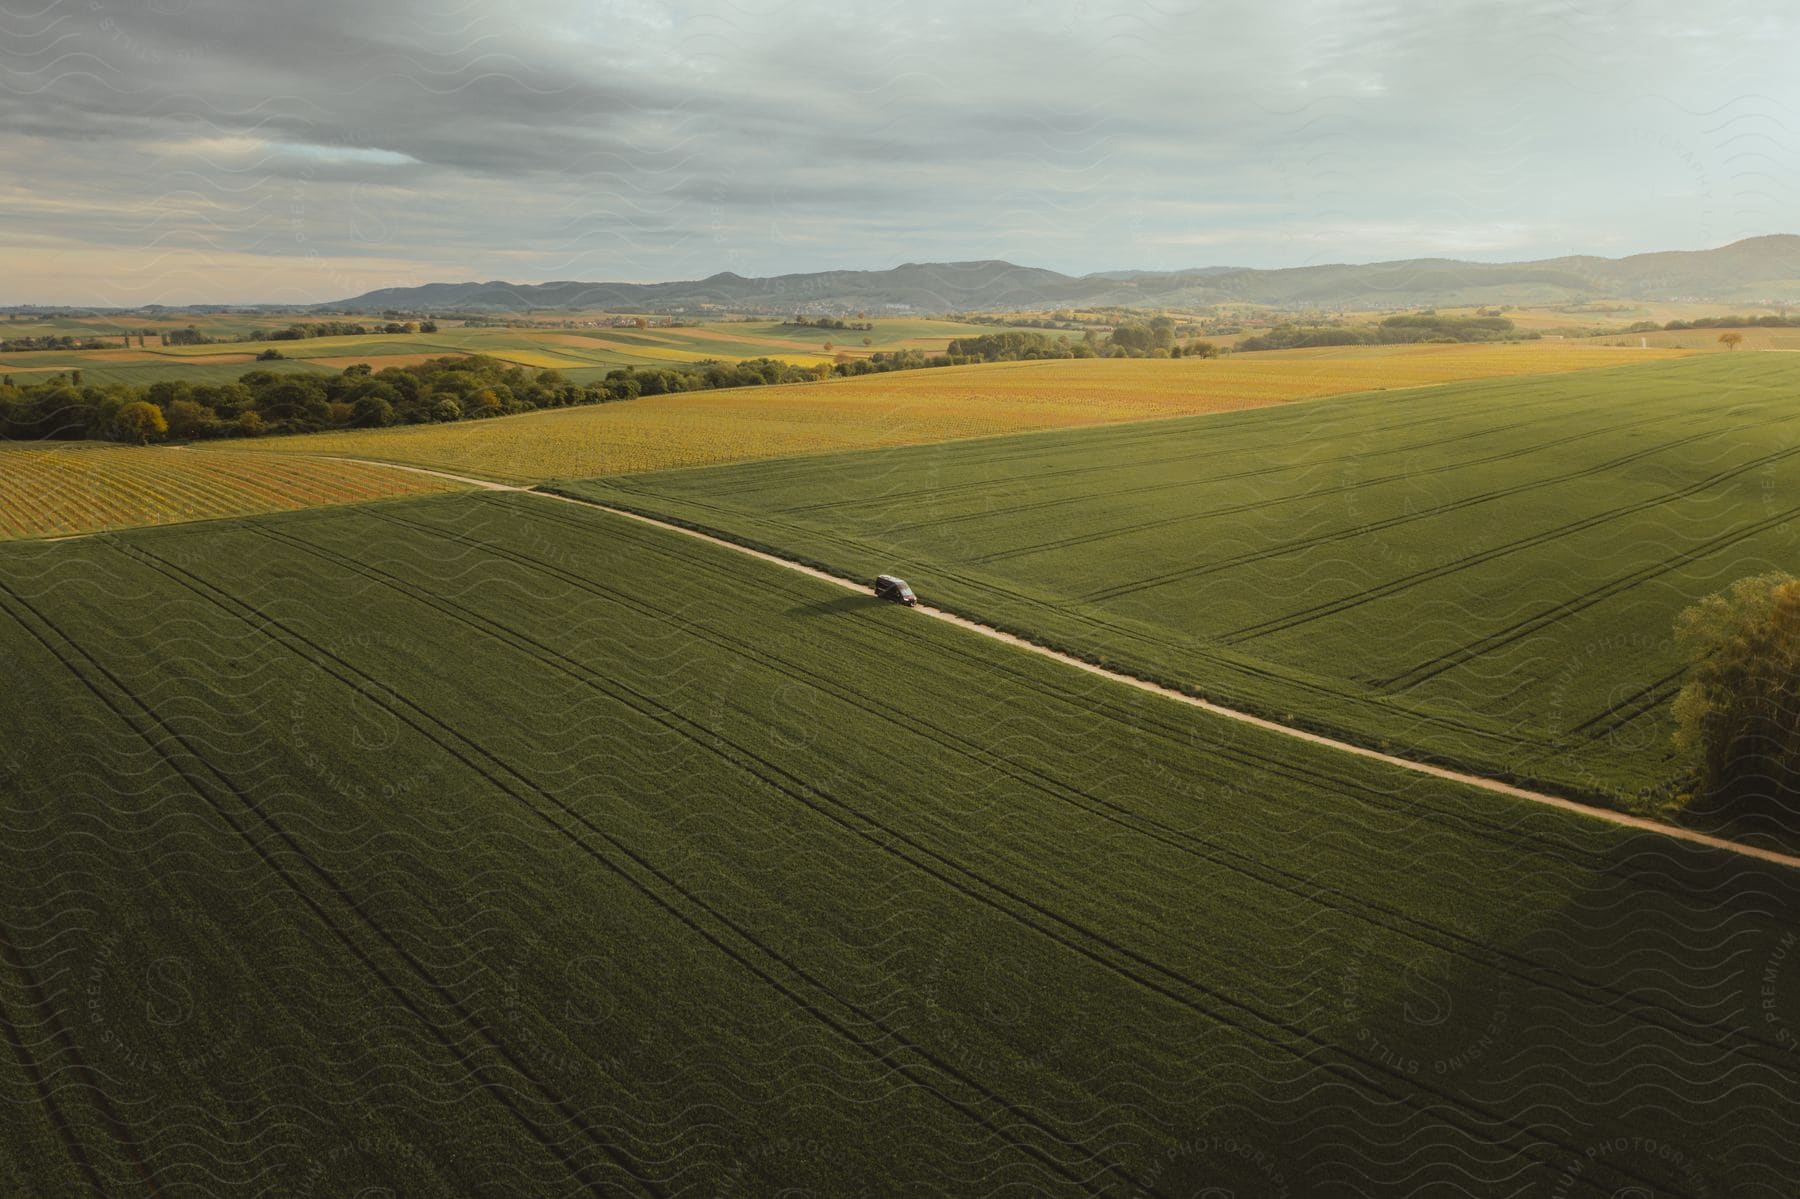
x=1015 y=346
x=451 y=388
x=1394 y=330
x=301 y=331
x=1732 y=322
x=49 y=341
x=262 y=402
x=826 y=322
x=1158 y=337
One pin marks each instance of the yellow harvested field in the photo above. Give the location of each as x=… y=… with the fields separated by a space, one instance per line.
x=61 y=489
x=913 y=407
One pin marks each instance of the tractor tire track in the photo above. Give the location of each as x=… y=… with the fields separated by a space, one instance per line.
x=1500 y=638
x=1265 y=873
x=496 y=1088
x=1351 y=532
x=400 y=706
x=35 y=1073
x=1212 y=1003
x=1268 y=502
x=1144 y=433
x=1622 y=713
x=1293 y=620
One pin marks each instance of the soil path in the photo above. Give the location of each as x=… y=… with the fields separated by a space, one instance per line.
x=1456 y=776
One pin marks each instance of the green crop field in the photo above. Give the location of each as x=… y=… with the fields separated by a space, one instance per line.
x=489 y=845
x=1484 y=573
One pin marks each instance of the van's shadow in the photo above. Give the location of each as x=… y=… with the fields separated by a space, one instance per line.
x=832 y=607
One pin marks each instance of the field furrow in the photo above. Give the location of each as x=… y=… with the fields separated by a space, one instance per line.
x=1575 y=985
x=209 y=783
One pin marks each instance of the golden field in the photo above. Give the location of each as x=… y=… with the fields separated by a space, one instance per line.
x=912 y=407
x=60 y=489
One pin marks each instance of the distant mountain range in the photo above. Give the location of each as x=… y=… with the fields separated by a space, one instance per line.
x=1756 y=269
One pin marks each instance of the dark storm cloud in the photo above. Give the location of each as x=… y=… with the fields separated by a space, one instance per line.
x=308 y=150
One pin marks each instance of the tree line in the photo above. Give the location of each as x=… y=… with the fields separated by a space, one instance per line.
x=1394 y=330
x=1155 y=338
x=302 y=331
x=263 y=402
x=49 y=341
x=450 y=388
x=827 y=322
x=1719 y=322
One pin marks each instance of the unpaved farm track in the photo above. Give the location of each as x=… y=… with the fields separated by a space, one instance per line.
x=1456 y=776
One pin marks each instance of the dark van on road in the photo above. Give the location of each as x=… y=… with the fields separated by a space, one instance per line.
x=887 y=587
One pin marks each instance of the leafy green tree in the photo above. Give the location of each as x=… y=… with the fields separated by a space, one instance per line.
x=227 y=400
x=1738 y=715
x=140 y=422
x=165 y=392
x=188 y=419
x=372 y=412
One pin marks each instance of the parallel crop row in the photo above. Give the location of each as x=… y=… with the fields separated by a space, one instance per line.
x=1472 y=573
x=62 y=490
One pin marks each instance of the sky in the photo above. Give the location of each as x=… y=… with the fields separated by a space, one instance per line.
x=289 y=151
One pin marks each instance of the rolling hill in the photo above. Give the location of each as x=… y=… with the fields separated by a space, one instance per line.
x=1755 y=269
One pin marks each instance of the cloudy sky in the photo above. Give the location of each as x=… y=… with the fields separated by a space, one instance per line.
x=296 y=150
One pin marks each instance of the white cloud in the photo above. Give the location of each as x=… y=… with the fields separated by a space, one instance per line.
x=640 y=140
